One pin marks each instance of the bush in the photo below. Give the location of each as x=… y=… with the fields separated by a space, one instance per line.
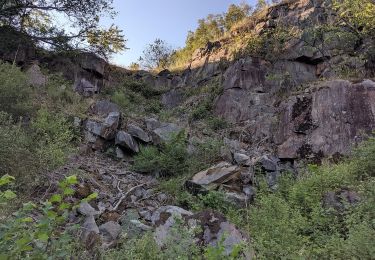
x=14 y=92
x=170 y=160
x=54 y=134
x=17 y=157
x=217 y=123
x=292 y=223
x=38 y=231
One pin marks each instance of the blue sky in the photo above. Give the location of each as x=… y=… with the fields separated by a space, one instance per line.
x=145 y=20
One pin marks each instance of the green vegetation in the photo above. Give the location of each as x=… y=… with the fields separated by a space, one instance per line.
x=156 y=56
x=41 y=143
x=137 y=97
x=22 y=236
x=210 y=29
x=14 y=92
x=38 y=21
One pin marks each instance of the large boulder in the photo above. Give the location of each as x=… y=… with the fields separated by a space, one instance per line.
x=139 y=133
x=107 y=129
x=126 y=141
x=103 y=107
x=215 y=176
x=35 y=77
x=217 y=229
x=162 y=132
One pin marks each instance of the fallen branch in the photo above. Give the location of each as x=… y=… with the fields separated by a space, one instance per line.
x=126 y=195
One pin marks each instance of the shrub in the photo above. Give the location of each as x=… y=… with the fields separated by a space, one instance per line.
x=38 y=231
x=17 y=157
x=14 y=92
x=54 y=134
x=292 y=222
x=217 y=123
x=170 y=160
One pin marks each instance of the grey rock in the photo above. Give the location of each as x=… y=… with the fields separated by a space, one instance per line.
x=341 y=200
x=120 y=153
x=152 y=123
x=139 y=133
x=165 y=132
x=160 y=216
x=268 y=163
x=87 y=210
x=172 y=98
x=103 y=107
x=216 y=227
x=110 y=231
x=35 y=76
x=106 y=129
x=161 y=132
x=327 y=122
x=241 y=159
x=125 y=140
x=238 y=199
x=215 y=176
x=90 y=232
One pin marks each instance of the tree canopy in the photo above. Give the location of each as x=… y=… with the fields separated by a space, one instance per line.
x=157 y=55
x=41 y=20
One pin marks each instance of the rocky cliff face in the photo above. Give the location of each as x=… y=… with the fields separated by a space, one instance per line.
x=291 y=105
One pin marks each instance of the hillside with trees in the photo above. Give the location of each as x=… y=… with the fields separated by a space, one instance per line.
x=253 y=141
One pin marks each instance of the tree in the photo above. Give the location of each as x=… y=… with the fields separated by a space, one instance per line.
x=157 y=55
x=81 y=30
x=358 y=15
x=134 y=66
x=261 y=4
x=235 y=14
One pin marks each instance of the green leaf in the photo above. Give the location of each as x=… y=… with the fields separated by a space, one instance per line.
x=71 y=180
x=27 y=220
x=8 y=194
x=5 y=179
x=43 y=237
x=56 y=198
x=64 y=206
x=68 y=191
x=51 y=214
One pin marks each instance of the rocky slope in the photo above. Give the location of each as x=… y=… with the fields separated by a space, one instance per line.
x=293 y=108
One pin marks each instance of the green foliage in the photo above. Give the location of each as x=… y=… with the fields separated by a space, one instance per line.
x=137 y=97
x=293 y=223
x=6 y=195
x=203 y=110
x=38 y=231
x=38 y=21
x=217 y=123
x=17 y=156
x=55 y=135
x=171 y=159
x=210 y=29
x=157 y=55
x=235 y=14
x=14 y=92
x=358 y=15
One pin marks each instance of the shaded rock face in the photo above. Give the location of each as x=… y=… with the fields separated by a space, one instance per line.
x=126 y=141
x=326 y=122
x=16 y=47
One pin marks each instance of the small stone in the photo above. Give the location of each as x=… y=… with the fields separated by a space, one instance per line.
x=241 y=159
x=86 y=209
x=110 y=231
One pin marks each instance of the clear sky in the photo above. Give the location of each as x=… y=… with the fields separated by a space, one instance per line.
x=145 y=20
